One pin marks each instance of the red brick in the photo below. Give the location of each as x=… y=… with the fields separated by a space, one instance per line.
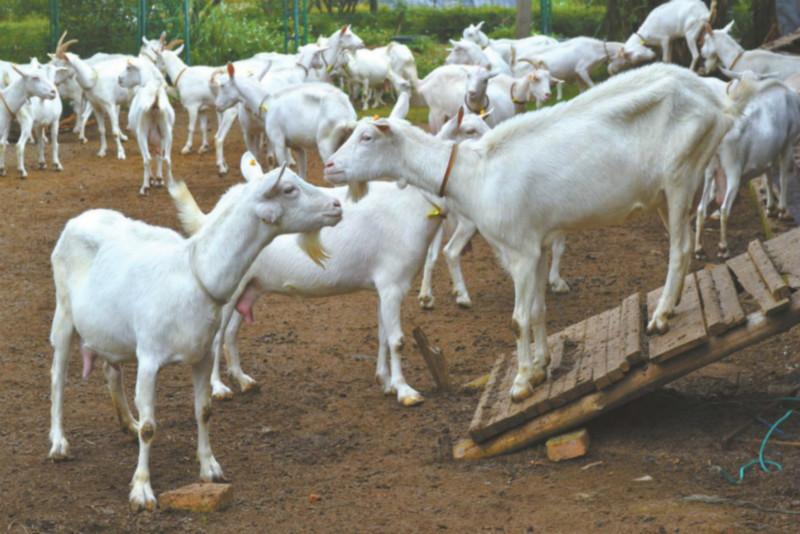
x=568 y=446
x=208 y=497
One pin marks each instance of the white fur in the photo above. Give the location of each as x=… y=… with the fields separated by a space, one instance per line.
x=720 y=48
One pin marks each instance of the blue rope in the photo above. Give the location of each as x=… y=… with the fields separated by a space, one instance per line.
x=767 y=466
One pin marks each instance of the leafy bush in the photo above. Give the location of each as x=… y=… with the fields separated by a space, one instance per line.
x=24 y=39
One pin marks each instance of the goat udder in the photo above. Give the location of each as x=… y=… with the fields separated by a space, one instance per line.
x=246 y=300
x=88 y=362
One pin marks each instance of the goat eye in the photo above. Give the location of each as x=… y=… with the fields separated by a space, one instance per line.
x=288 y=190
x=366 y=138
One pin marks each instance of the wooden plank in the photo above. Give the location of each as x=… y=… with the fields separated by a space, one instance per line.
x=771 y=277
x=616 y=362
x=631 y=322
x=635 y=384
x=729 y=305
x=434 y=357
x=596 y=338
x=785 y=253
x=584 y=378
x=574 y=338
x=710 y=302
x=488 y=397
x=751 y=281
x=686 y=326
x=556 y=344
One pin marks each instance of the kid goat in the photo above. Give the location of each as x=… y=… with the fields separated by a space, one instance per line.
x=133 y=291
x=515 y=182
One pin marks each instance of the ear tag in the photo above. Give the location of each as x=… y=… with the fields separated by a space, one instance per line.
x=436 y=211
x=264 y=108
x=483 y=111
x=376 y=117
x=329 y=68
x=253 y=163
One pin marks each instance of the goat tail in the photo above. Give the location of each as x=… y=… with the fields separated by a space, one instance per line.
x=190 y=215
x=740 y=92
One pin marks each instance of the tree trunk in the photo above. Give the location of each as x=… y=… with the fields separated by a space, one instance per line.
x=523 y=18
x=373 y=6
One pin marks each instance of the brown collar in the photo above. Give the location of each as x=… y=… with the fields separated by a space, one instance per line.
x=450 y=162
x=8 y=108
x=305 y=69
x=737 y=58
x=484 y=105
x=178 y=77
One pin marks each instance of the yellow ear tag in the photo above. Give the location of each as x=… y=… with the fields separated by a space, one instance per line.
x=330 y=68
x=483 y=111
x=252 y=163
x=436 y=211
x=264 y=108
x=376 y=117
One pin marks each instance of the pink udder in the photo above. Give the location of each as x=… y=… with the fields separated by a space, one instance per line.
x=721 y=183
x=246 y=300
x=88 y=362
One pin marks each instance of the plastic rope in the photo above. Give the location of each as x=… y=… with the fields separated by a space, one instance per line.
x=767 y=466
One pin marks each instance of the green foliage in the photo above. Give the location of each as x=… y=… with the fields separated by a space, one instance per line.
x=21 y=9
x=24 y=39
x=100 y=25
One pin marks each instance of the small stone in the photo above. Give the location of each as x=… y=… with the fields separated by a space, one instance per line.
x=313 y=498
x=208 y=497
x=568 y=446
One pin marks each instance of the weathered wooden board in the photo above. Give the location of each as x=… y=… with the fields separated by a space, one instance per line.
x=748 y=277
x=632 y=327
x=784 y=251
x=595 y=344
x=769 y=274
x=616 y=362
x=489 y=395
x=710 y=302
x=686 y=327
x=731 y=308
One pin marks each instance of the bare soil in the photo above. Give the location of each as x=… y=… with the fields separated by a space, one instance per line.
x=319 y=425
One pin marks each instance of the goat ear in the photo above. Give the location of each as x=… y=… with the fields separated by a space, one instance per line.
x=251 y=170
x=144 y=40
x=178 y=50
x=454 y=43
x=383 y=126
x=460 y=116
x=727 y=29
x=18 y=70
x=163 y=37
x=231 y=70
x=479 y=25
x=343 y=30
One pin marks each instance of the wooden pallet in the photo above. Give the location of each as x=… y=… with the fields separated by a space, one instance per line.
x=606 y=360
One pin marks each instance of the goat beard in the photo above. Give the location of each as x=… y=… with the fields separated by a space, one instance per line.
x=311 y=244
x=357 y=190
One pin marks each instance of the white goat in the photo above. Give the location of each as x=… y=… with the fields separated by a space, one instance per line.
x=447 y=88
x=572 y=60
x=762 y=141
x=720 y=48
x=32 y=82
x=38 y=116
x=466 y=52
x=507 y=48
x=401 y=62
x=132 y=291
x=671 y=20
x=517 y=182
x=380 y=244
x=368 y=70
x=302 y=117
x=151 y=117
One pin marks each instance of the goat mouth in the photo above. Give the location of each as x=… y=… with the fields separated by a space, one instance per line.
x=334 y=175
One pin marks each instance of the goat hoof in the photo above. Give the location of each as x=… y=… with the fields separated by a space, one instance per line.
x=521 y=392
x=559 y=286
x=203 y=149
x=220 y=391
x=42 y=165
x=539 y=376
x=464 y=301
x=699 y=255
x=657 y=326
x=186 y=150
x=212 y=472
x=101 y=154
x=120 y=156
x=2 y=171
x=142 y=498
x=23 y=175
x=83 y=140
x=414 y=399
x=58 y=167
x=143 y=191
x=723 y=253
x=426 y=302
x=247 y=384
x=784 y=215
x=59 y=452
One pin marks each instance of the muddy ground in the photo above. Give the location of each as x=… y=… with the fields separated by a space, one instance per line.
x=319 y=425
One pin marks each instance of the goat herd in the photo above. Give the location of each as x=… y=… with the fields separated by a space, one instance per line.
x=645 y=139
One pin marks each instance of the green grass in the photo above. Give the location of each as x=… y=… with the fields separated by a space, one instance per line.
x=24 y=39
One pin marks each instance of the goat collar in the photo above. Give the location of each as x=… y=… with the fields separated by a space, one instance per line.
x=5 y=104
x=216 y=300
x=178 y=77
x=736 y=59
x=637 y=34
x=482 y=109
x=450 y=162
x=305 y=69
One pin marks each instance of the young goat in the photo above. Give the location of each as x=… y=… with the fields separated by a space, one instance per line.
x=150 y=117
x=380 y=244
x=32 y=82
x=132 y=291
x=762 y=141
x=516 y=183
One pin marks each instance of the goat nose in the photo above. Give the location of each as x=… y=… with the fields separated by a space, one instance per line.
x=328 y=165
x=336 y=203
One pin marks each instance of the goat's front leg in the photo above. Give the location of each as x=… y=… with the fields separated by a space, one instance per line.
x=702 y=209
x=54 y=147
x=733 y=178
x=99 y=114
x=40 y=142
x=141 y=496
x=118 y=399
x=192 y=110
x=391 y=300
x=691 y=42
x=225 y=123
x=557 y=284
x=83 y=118
x=24 y=136
x=666 y=52
x=524 y=271
x=61 y=339
x=113 y=115
x=233 y=360
x=464 y=231
x=302 y=163
x=366 y=94
x=425 y=297
x=210 y=470
x=786 y=168
x=583 y=75
x=144 y=148
x=3 y=145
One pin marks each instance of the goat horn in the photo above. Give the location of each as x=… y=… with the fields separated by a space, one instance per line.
x=163 y=37
x=537 y=64
x=172 y=44
x=283 y=170
x=712 y=12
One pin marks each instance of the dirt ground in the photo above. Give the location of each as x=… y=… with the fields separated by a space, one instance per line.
x=319 y=425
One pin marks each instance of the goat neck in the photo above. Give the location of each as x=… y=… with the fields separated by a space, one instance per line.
x=14 y=96
x=172 y=64
x=85 y=74
x=222 y=251
x=251 y=93
x=727 y=48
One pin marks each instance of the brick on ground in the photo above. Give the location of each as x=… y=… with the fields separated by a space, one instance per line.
x=208 y=497
x=568 y=446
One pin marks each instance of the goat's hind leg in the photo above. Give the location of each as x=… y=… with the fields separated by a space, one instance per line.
x=210 y=470
x=786 y=168
x=556 y=283
x=119 y=400
x=60 y=337
x=234 y=367
x=425 y=297
x=391 y=300
x=464 y=231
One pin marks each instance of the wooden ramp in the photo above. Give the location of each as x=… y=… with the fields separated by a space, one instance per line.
x=607 y=360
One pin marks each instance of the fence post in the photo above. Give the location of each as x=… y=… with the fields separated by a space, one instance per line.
x=187 y=47
x=54 y=23
x=547 y=16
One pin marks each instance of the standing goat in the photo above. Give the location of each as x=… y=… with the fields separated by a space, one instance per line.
x=720 y=48
x=150 y=117
x=135 y=292
x=517 y=182
x=508 y=48
x=32 y=82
